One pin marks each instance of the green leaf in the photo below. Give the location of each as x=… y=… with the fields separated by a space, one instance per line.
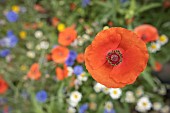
x=148 y=7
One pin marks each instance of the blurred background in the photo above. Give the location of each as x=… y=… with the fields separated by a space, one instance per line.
x=42 y=73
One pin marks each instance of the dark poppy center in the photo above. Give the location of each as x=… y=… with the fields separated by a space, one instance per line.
x=114 y=57
x=144 y=37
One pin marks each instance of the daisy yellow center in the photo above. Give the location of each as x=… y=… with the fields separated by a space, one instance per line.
x=162 y=39
x=76 y=96
x=144 y=104
x=115 y=92
x=114 y=57
x=153 y=46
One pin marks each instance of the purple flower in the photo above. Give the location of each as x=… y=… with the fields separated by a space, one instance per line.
x=109 y=111
x=71 y=58
x=83 y=108
x=41 y=96
x=85 y=3
x=73 y=54
x=78 y=70
x=12 y=16
x=4 y=52
x=10 y=41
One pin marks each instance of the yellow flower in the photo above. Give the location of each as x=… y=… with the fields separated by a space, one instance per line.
x=23 y=68
x=105 y=27
x=22 y=34
x=15 y=8
x=163 y=39
x=60 y=27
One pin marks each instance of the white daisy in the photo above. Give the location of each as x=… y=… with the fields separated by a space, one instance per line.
x=70 y=71
x=86 y=36
x=105 y=90
x=154 y=47
x=44 y=45
x=105 y=27
x=130 y=98
x=115 y=93
x=143 y=104
x=108 y=106
x=75 y=96
x=98 y=87
x=31 y=54
x=29 y=45
x=165 y=109
x=157 y=106
x=38 y=34
x=163 y=39
x=71 y=110
x=72 y=103
x=82 y=77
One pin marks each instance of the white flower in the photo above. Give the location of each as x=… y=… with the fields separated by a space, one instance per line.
x=29 y=45
x=75 y=43
x=75 y=96
x=86 y=36
x=70 y=71
x=105 y=27
x=165 y=109
x=72 y=103
x=89 y=30
x=130 y=98
x=105 y=90
x=44 y=45
x=143 y=104
x=115 y=93
x=157 y=106
x=38 y=34
x=38 y=47
x=108 y=106
x=98 y=87
x=31 y=54
x=71 y=110
x=139 y=91
x=163 y=39
x=154 y=47
x=82 y=77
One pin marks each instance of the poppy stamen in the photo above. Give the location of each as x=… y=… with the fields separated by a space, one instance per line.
x=114 y=57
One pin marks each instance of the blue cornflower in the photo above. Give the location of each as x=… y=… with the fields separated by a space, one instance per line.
x=4 y=52
x=70 y=61
x=109 y=111
x=10 y=33
x=78 y=70
x=71 y=58
x=83 y=108
x=12 y=16
x=41 y=96
x=13 y=41
x=85 y=3
x=73 y=54
x=2 y=101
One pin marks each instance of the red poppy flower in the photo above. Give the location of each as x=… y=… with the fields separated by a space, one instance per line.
x=147 y=33
x=39 y=8
x=116 y=57
x=67 y=36
x=34 y=72
x=61 y=73
x=157 y=67
x=54 y=21
x=80 y=58
x=60 y=54
x=3 y=86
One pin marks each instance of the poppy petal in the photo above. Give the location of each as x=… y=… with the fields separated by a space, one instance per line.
x=101 y=75
x=104 y=41
x=134 y=62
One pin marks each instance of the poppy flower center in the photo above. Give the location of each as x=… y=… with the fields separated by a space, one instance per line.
x=114 y=57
